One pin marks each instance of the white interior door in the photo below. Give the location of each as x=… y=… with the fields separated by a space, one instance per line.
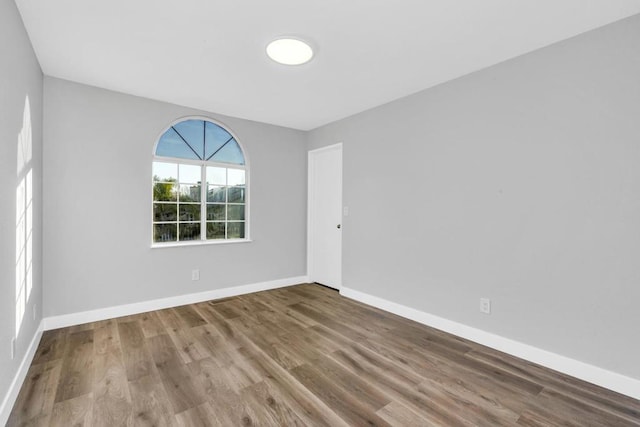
x=325 y=216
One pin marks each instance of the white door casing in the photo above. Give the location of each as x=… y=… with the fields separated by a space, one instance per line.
x=324 y=235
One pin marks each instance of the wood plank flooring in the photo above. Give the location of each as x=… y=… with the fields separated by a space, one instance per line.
x=295 y=356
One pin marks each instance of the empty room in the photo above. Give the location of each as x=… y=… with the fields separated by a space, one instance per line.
x=329 y=213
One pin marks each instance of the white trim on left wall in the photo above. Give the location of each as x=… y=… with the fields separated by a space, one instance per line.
x=18 y=379
x=72 y=319
x=65 y=320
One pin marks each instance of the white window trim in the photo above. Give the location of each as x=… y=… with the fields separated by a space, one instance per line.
x=156 y=245
x=203 y=204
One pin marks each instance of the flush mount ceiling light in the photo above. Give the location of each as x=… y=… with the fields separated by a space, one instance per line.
x=289 y=51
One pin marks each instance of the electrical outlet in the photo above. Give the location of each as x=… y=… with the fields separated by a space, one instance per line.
x=485 y=305
x=195 y=274
x=345 y=211
x=13 y=348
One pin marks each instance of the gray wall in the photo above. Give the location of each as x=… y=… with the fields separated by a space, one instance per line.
x=520 y=183
x=97 y=172
x=20 y=78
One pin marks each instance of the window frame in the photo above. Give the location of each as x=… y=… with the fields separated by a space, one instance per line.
x=203 y=189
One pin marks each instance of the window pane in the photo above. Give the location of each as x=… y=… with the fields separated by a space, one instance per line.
x=166 y=172
x=217 y=194
x=189 y=231
x=215 y=212
x=216 y=175
x=171 y=145
x=235 y=212
x=165 y=212
x=189 y=193
x=164 y=232
x=235 y=230
x=235 y=177
x=230 y=153
x=215 y=230
x=165 y=192
x=215 y=138
x=190 y=174
x=236 y=194
x=189 y=212
x=193 y=132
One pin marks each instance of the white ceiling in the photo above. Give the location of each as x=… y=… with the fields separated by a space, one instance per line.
x=209 y=54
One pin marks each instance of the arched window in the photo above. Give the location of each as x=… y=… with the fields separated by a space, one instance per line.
x=199 y=185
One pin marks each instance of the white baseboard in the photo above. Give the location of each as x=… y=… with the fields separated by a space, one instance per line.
x=593 y=374
x=66 y=320
x=18 y=379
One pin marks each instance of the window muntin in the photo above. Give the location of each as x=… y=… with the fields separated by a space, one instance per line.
x=188 y=154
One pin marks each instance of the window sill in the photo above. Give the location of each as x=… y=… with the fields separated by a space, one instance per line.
x=198 y=243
